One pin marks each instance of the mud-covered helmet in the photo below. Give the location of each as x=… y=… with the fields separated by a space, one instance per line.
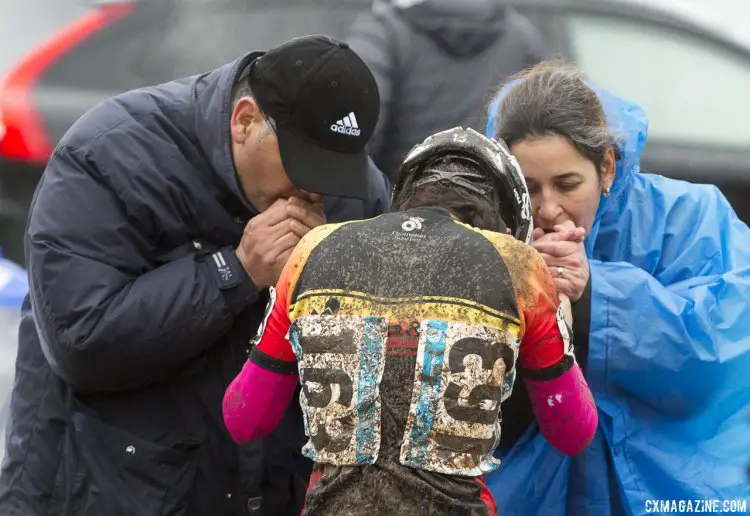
x=498 y=177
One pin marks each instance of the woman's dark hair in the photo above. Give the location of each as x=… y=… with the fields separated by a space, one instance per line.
x=468 y=206
x=552 y=98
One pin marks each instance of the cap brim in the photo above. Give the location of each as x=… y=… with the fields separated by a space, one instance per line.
x=323 y=171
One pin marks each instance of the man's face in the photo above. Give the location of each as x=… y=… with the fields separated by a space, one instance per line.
x=257 y=160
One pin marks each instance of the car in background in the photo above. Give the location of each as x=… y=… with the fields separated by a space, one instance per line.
x=24 y=26
x=687 y=70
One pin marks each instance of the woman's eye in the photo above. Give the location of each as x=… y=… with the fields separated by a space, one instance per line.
x=568 y=187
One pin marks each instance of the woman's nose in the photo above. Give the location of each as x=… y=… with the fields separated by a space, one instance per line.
x=548 y=209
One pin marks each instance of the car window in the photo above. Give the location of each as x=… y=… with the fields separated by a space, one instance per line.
x=200 y=35
x=693 y=90
x=165 y=39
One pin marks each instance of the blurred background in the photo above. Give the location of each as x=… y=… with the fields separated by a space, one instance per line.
x=687 y=62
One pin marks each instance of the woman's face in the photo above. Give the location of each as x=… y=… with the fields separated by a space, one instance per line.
x=563 y=184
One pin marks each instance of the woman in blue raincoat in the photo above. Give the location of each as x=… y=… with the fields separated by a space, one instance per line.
x=664 y=274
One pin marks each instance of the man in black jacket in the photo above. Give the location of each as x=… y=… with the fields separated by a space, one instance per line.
x=162 y=216
x=435 y=62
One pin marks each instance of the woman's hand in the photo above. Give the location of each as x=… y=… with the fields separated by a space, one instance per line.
x=565 y=255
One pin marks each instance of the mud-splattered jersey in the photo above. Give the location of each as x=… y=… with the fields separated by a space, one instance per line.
x=406 y=330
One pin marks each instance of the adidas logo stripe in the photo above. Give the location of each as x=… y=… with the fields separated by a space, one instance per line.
x=349 y=121
x=347 y=125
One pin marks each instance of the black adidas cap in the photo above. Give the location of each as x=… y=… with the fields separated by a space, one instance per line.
x=325 y=103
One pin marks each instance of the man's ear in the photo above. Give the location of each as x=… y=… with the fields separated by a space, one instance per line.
x=245 y=113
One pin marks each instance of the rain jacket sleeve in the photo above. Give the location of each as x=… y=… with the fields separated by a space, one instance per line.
x=109 y=317
x=670 y=346
x=678 y=324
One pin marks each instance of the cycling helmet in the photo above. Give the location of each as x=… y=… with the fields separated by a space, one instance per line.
x=498 y=177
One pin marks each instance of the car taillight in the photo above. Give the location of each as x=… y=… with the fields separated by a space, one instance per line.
x=22 y=133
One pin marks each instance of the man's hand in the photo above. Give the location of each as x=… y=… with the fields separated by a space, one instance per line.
x=565 y=255
x=270 y=237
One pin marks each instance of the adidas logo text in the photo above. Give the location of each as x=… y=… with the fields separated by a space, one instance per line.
x=347 y=125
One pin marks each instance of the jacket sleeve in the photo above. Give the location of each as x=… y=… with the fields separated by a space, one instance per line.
x=372 y=39
x=109 y=317
x=677 y=337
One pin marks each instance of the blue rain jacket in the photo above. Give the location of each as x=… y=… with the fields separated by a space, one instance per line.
x=669 y=358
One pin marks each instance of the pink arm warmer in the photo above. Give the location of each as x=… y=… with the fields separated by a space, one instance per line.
x=565 y=410
x=256 y=400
